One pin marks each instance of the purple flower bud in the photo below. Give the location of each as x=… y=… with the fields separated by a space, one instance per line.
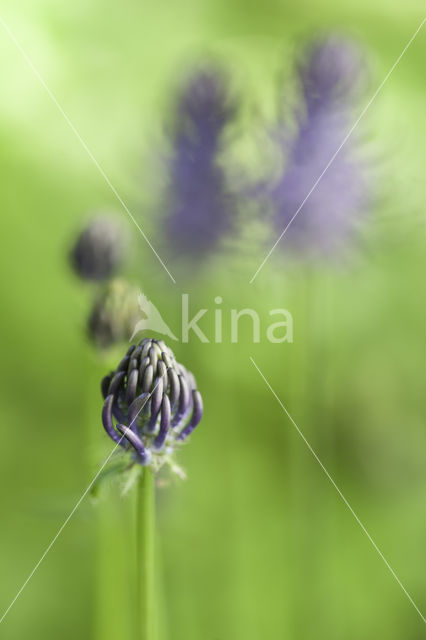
x=200 y=207
x=330 y=77
x=98 y=250
x=151 y=402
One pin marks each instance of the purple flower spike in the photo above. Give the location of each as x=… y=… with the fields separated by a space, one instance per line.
x=200 y=207
x=151 y=403
x=320 y=197
x=332 y=70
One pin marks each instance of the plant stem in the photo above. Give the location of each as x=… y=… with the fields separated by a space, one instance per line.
x=145 y=526
x=112 y=612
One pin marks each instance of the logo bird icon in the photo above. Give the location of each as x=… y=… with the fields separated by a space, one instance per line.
x=153 y=320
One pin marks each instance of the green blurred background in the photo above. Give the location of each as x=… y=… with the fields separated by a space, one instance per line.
x=256 y=543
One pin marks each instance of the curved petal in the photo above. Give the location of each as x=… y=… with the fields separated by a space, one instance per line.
x=107 y=420
x=132 y=383
x=134 y=440
x=164 y=423
x=196 y=415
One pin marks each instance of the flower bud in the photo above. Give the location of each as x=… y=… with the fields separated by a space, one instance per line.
x=98 y=250
x=151 y=403
x=114 y=314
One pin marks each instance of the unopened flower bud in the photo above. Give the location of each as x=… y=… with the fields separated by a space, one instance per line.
x=151 y=403
x=114 y=314
x=98 y=250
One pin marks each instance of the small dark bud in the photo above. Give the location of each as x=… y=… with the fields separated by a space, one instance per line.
x=98 y=250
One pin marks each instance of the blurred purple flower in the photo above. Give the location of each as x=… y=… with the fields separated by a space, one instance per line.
x=331 y=75
x=200 y=206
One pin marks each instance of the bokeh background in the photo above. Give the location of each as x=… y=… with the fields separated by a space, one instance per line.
x=256 y=543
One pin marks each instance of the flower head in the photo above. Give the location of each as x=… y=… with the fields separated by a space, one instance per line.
x=151 y=403
x=331 y=71
x=98 y=249
x=323 y=189
x=200 y=207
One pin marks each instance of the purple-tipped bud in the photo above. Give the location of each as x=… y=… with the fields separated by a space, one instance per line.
x=98 y=250
x=151 y=402
x=320 y=217
x=200 y=207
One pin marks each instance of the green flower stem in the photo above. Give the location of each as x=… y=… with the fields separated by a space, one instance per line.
x=145 y=530
x=114 y=594
x=112 y=611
